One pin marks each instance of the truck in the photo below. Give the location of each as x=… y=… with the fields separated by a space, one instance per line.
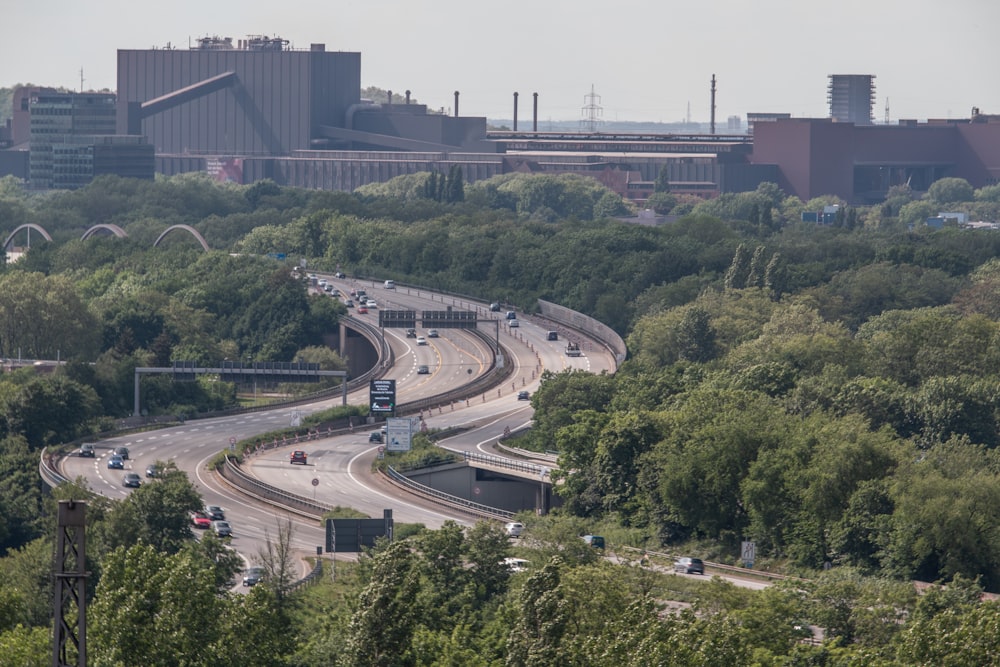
x=573 y=349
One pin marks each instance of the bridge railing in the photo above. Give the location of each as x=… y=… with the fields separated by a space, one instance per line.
x=510 y=464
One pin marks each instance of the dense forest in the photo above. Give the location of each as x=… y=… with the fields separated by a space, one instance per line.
x=829 y=391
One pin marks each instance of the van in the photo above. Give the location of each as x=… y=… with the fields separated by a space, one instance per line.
x=390 y=284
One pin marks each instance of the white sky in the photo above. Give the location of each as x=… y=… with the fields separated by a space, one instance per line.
x=646 y=59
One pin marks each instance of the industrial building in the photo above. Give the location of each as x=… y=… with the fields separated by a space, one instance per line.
x=258 y=108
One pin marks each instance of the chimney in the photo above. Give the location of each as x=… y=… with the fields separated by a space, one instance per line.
x=534 y=114
x=390 y=98
x=456 y=104
x=712 y=123
x=407 y=97
x=515 y=112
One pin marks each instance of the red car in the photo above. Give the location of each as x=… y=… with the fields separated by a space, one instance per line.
x=200 y=520
x=298 y=456
x=362 y=308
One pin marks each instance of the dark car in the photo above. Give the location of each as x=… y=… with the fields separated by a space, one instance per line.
x=116 y=463
x=131 y=479
x=552 y=335
x=423 y=369
x=298 y=456
x=524 y=395
x=689 y=566
x=375 y=436
x=411 y=333
x=433 y=333
x=87 y=449
x=152 y=470
x=222 y=528
x=122 y=452
x=215 y=513
x=254 y=576
x=495 y=307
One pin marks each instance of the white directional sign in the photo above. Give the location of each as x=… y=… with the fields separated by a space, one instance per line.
x=748 y=553
x=399 y=431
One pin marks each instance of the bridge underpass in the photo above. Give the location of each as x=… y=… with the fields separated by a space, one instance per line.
x=495 y=486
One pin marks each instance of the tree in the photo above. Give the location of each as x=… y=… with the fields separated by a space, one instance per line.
x=662 y=184
x=278 y=559
x=455 y=186
x=156 y=514
x=950 y=191
x=384 y=621
x=541 y=624
x=739 y=269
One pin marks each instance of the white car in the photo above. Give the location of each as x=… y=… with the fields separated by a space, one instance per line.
x=513 y=324
x=371 y=303
x=516 y=564
x=421 y=340
x=514 y=529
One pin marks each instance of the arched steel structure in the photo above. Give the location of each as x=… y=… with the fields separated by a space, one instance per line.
x=114 y=229
x=29 y=225
x=187 y=228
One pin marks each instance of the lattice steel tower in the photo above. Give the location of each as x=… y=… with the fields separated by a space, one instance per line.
x=592 y=112
x=69 y=641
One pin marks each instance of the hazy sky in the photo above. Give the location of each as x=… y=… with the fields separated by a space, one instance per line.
x=646 y=59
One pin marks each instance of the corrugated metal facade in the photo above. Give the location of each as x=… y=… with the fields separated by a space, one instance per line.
x=279 y=101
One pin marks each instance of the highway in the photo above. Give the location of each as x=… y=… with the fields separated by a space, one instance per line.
x=342 y=465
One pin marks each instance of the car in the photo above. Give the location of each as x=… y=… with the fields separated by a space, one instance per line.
x=423 y=369
x=222 y=528
x=322 y=282
x=516 y=564
x=340 y=275
x=122 y=452
x=514 y=529
x=524 y=395
x=349 y=303
x=152 y=470
x=254 y=575
x=552 y=335
x=116 y=463
x=200 y=520
x=371 y=303
x=298 y=456
x=215 y=513
x=362 y=308
x=513 y=324
x=421 y=340
x=494 y=307
x=689 y=565
x=87 y=449
x=432 y=333
x=511 y=315
x=131 y=479
x=411 y=333
x=390 y=284
x=595 y=541
x=375 y=436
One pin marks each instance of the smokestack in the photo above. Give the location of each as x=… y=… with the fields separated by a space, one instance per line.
x=515 y=112
x=456 y=104
x=390 y=97
x=534 y=114
x=712 y=125
x=407 y=97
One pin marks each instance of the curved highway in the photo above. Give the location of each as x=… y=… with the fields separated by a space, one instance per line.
x=339 y=468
